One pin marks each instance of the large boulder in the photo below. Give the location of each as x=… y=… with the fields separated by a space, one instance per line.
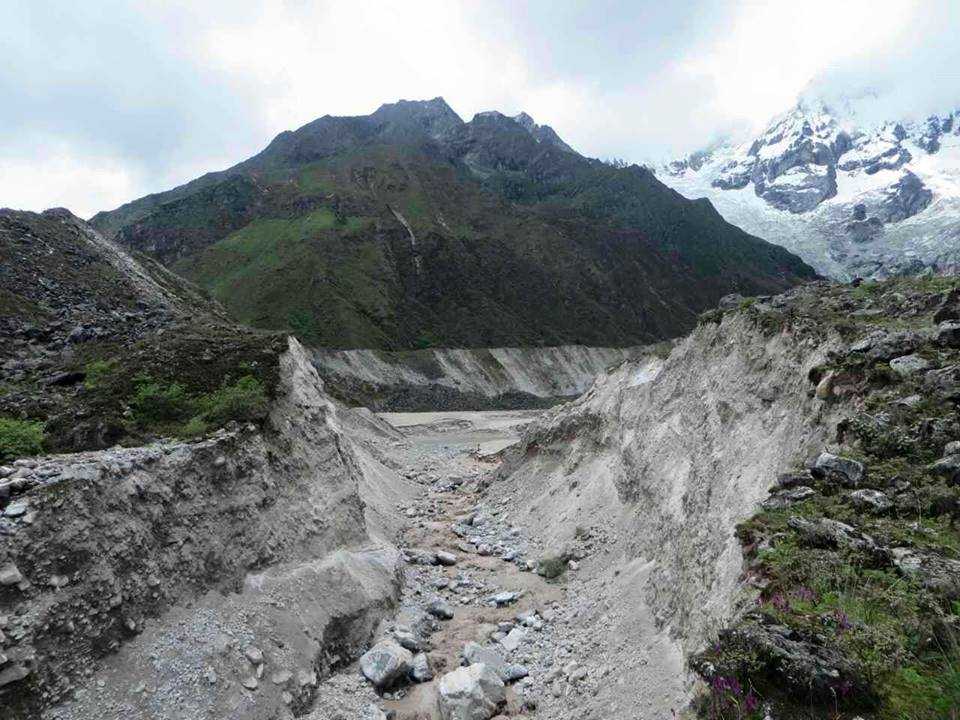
x=386 y=663
x=475 y=692
x=837 y=469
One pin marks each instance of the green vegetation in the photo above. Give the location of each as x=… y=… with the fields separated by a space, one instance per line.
x=895 y=640
x=167 y=407
x=20 y=438
x=97 y=372
x=552 y=566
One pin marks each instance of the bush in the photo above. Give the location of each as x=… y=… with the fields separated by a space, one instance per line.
x=157 y=402
x=168 y=407
x=97 y=371
x=19 y=438
x=244 y=400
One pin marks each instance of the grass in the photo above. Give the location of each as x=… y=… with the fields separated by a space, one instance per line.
x=20 y=438
x=169 y=408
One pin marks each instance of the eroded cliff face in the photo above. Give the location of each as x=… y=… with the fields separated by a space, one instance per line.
x=666 y=458
x=466 y=378
x=166 y=581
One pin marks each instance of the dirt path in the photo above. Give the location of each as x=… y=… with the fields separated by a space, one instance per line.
x=492 y=557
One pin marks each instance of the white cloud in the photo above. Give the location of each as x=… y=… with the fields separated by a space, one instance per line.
x=56 y=177
x=139 y=96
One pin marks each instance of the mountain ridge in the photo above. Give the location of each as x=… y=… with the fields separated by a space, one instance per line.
x=411 y=228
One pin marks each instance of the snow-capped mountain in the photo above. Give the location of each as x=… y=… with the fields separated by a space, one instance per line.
x=851 y=198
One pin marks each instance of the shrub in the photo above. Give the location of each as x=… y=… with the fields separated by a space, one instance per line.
x=157 y=402
x=551 y=567
x=97 y=371
x=244 y=400
x=19 y=438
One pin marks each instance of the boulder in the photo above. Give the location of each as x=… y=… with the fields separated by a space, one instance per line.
x=872 y=500
x=948 y=467
x=827 y=533
x=420 y=669
x=440 y=608
x=936 y=573
x=835 y=468
x=446 y=559
x=785 y=498
x=474 y=692
x=909 y=364
x=386 y=663
x=948 y=334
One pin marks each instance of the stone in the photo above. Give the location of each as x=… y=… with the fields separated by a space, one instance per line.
x=785 y=498
x=445 y=558
x=474 y=692
x=948 y=467
x=385 y=663
x=948 y=334
x=828 y=533
x=936 y=573
x=872 y=500
x=10 y=575
x=420 y=669
x=407 y=638
x=250 y=683
x=513 y=639
x=825 y=387
x=838 y=469
x=441 y=609
x=6 y=471
x=17 y=508
x=13 y=673
x=281 y=677
x=253 y=654
x=504 y=598
x=909 y=365
x=420 y=557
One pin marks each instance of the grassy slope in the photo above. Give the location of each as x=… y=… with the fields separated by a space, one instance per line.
x=509 y=261
x=898 y=640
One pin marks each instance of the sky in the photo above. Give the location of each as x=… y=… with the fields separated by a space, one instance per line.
x=105 y=101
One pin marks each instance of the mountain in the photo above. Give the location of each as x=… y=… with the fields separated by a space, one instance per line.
x=850 y=195
x=410 y=228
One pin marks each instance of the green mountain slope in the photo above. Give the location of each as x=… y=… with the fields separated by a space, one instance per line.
x=409 y=227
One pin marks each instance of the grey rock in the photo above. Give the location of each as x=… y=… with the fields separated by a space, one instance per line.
x=250 y=683
x=828 y=533
x=474 y=654
x=420 y=670
x=12 y=674
x=785 y=498
x=407 y=639
x=10 y=575
x=948 y=467
x=513 y=639
x=935 y=572
x=948 y=334
x=504 y=598
x=470 y=693
x=445 y=558
x=872 y=500
x=17 y=508
x=253 y=654
x=838 y=469
x=440 y=608
x=909 y=365
x=385 y=663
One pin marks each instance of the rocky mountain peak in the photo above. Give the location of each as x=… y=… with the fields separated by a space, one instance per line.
x=872 y=198
x=434 y=116
x=541 y=133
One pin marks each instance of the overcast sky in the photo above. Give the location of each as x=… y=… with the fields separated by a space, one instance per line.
x=106 y=100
